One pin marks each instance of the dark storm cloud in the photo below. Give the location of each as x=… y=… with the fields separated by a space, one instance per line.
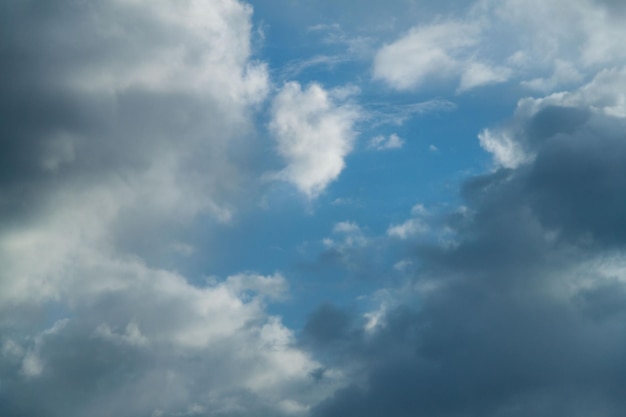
x=523 y=321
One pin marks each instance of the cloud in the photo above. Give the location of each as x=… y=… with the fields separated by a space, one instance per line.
x=346 y=227
x=428 y=52
x=106 y=155
x=498 y=41
x=313 y=133
x=154 y=343
x=295 y=68
x=505 y=150
x=353 y=237
x=381 y=143
x=416 y=225
x=397 y=114
x=404 y=230
x=564 y=73
x=126 y=122
x=534 y=120
x=524 y=314
x=478 y=74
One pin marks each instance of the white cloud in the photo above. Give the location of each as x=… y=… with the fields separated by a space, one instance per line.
x=477 y=74
x=313 y=134
x=545 y=44
x=412 y=227
x=409 y=228
x=506 y=151
x=382 y=143
x=604 y=94
x=233 y=344
x=564 y=73
x=426 y=52
x=215 y=33
x=353 y=237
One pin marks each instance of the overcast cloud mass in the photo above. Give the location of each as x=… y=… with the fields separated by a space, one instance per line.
x=316 y=209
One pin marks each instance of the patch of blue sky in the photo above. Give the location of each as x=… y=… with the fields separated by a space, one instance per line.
x=437 y=127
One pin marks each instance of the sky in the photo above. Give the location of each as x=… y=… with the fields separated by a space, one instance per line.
x=276 y=208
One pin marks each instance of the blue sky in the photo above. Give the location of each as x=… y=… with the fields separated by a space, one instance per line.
x=331 y=208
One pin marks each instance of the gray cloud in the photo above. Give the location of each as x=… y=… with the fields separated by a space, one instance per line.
x=523 y=314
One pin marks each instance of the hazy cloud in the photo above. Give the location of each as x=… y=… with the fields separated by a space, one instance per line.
x=382 y=143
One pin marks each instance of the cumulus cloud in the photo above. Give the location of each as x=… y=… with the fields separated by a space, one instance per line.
x=125 y=123
x=106 y=155
x=154 y=343
x=314 y=132
x=516 y=143
x=428 y=52
x=524 y=314
x=496 y=41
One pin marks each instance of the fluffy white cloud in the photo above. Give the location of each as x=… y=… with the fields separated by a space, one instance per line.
x=426 y=52
x=544 y=44
x=205 y=49
x=314 y=133
x=216 y=348
x=506 y=151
